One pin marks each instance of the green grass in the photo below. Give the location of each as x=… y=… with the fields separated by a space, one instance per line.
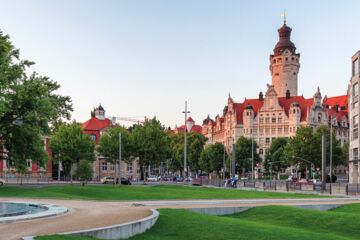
x=260 y=223
x=140 y=193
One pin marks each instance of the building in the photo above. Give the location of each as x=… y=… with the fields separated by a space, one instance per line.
x=95 y=127
x=353 y=95
x=33 y=170
x=190 y=127
x=281 y=111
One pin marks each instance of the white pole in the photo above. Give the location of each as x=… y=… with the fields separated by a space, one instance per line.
x=119 y=166
x=331 y=131
x=186 y=112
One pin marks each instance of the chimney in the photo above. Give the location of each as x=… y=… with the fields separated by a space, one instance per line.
x=261 y=96
x=287 y=94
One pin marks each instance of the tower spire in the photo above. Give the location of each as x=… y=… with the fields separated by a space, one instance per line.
x=284 y=16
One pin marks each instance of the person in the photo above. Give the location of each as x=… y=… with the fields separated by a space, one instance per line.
x=226 y=181
x=233 y=181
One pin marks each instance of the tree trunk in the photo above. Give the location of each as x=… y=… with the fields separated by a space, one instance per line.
x=144 y=174
x=71 y=174
x=116 y=176
x=21 y=179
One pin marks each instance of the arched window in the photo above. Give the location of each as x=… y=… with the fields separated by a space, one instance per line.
x=319 y=117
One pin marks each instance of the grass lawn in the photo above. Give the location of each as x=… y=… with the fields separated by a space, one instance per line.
x=158 y=192
x=269 y=222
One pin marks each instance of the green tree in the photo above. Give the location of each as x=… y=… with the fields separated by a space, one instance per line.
x=337 y=153
x=152 y=143
x=195 y=145
x=345 y=152
x=70 y=145
x=303 y=145
x=276 y=156
x=27 y=104
x=109 y=146
x=215 y=154
x=243 y=154
x=84 y=171
x=177 y=152
x=204 y=161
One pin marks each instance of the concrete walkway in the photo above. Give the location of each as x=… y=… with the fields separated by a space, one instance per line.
x=87 y=214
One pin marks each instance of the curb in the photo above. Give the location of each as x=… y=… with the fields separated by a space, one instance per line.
x=118 y=231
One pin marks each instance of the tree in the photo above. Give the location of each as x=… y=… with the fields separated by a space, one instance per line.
x=27 y=104
x=177 y=152
x=195 y=145
x=243 y=154
x=308 y=145
x=109 y=146
x=303 y=145
x=212 y=158
x=276 y=156
x=152 y=143
x=84 y=171
x=337 y=157
x=345 y=152
x=70 y=145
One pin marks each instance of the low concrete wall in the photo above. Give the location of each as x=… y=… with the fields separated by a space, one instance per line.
x=218 y=211
x=119 y=231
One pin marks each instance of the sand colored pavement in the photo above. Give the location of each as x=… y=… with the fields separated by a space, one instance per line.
x=82 y=215
x=85 y=214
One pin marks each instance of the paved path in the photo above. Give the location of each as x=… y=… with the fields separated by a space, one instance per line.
x=87 y=214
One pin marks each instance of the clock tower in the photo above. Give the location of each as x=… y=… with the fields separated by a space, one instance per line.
x=284 y=64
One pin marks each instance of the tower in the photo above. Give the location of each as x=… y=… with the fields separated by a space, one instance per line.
x=100 y=113
x=284 y=64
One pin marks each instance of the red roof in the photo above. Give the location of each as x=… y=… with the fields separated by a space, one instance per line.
x=196 y=129
x=342 y=106
x=95 y=124
x=283 y=102
x=190 y=120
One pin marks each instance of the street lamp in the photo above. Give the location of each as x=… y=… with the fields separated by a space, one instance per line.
x=186 y=112
x=119 y=166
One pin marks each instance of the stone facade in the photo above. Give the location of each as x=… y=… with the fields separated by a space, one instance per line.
x=281 y=111
x=353 y=95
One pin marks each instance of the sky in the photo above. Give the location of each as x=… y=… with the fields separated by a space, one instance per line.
x=146 y=57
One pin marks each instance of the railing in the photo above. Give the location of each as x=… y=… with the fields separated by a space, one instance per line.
x=286 y=186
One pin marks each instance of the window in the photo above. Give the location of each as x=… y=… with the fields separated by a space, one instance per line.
x=355 y=153
x=104 y=166
x=129 y=167
x=355 y=90
x=355 y=133
x=93 y=137
x=356 y=66
x=273 y=120
x=267 y=140
x=319 y=117
x=273 y=130
x=261 y=151
x=261 y=120
x=356 y=104
x=267 y=120
x=28 y=163
x=279 y=120
x=112 y=167
x=279 y=130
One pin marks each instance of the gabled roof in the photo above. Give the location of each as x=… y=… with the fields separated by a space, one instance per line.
x=190 y=120
x=284 y=102
x=304 y=105
x=342 y=106
x=95 y=124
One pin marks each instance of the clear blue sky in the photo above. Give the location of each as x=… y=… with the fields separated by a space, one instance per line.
x=147 y=57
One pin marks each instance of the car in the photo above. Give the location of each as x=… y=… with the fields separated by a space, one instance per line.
x=188 y=179
x=2 y=182
x=107 y=180
x=303 y=181
x=124 y=181
x=153 y=179
x=178 y=179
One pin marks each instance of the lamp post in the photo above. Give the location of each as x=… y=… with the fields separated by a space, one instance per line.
x=331 y=131
x=252 y=154
x=186 y=112
x=119 y=166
